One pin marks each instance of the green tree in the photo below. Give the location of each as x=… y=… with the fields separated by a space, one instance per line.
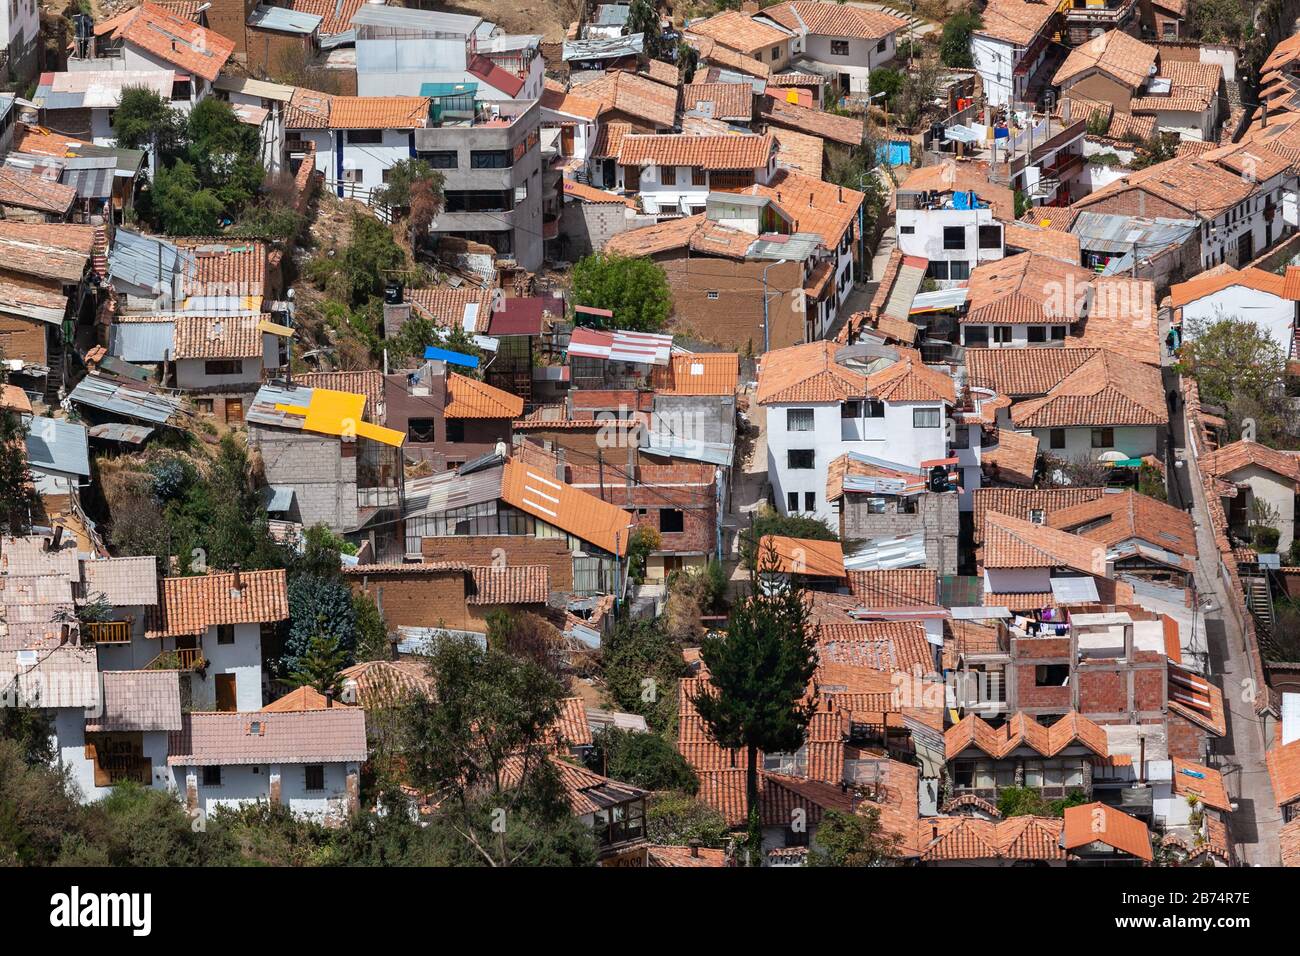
x=853 y=839
x=768 y=521
x=954 y=47
x=37 y=810
x=641 y=665
x=887 y=81
x=224 y=153
x=145 y=120
x=759 y=672
x=372 y=632
x=18 y=497
x=642 y=17
x=641 y=543
x=319 y=665
x=634 y=289
x=483 y=745
x=675 y=819
x=1237 y=365
x=1219 y=21
x=643 y=760
x=178 y=203
x=415 y=190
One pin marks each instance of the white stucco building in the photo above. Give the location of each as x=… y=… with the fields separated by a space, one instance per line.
x=1252 y=295
x=843 y=43
x=820 y=404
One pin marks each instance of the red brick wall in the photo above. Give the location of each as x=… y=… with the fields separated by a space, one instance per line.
x=420 y=600
x=22 y=339
x=518 y=550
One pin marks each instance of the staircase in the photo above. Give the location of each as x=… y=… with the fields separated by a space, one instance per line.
x=1259 y=599
x=54 y=361
x=99 y=251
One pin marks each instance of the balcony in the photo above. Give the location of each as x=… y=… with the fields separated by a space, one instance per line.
x=185 y=659
x=1107 y=14
x=1063 y=165
x=107 y=632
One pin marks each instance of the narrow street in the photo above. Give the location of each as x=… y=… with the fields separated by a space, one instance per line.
x=1257 y=820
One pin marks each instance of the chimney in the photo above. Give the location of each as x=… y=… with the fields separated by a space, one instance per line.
x=329 y=698
x=841 y=190
x=239 y=579
x=694 y=844
x=810 y=199
x=57 y=540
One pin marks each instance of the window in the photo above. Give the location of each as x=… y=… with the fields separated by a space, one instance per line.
x=713 y=295
x=954 y=237
x=926 y=418
x=880 y=47
x=801 y=458
x=776 y=53
x=1037 y=515
x=698 y=176
x=353 y=176
x=959 y=269
x=876 y=506
x=990 y=237
x=1051 y=675
x=907 y=230
x=937 y=269
x=1001 y=335
x=441 y=158
x=476 y=200
x=225 y=633
x=792 y=501
x=315 y=776
x=839 y=47
x=671 y=520
x=211 y=776
x=1058 y=333
x=1037 y=334
x=1056 y=439
x=420 y=430
x=1103 y=438
x=204 y=405
x=222 y=367
x=851 y=410
x=489 y=159
x=371 y=137
x=668 y=175
x=798 y=419
x=810 y=501
x=455 y=430
x=873 y=408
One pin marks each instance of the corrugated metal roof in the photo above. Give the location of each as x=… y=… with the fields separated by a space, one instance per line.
x=56 y=444
x=435 y=494
x=142 y=341
x=120 y=431
x=91 y=182
x=907 y=551
x=98 y=89
x=131 y=401
x=284 y=20
x=708 y=452
x=1105 y=232
x=277 y=498
x=402 y=18
x=334 y=40
x=148 y=260
x=598 y=48
x=260 y=88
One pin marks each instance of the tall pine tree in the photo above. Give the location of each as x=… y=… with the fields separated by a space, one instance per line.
x=759 y=672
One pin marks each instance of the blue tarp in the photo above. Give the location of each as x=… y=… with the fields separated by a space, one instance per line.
x=454 y=358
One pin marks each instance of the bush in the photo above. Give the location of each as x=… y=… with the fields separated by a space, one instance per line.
x=1264 y=539
x=675 y=819
x=634 y=289
x=643 y=760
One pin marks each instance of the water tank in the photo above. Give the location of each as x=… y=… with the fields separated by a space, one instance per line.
x=393 y=293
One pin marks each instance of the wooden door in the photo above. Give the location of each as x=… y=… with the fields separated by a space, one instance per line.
x=226 y=699
x=234 y=410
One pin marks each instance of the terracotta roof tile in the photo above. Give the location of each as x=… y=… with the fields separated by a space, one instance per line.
x=1011 y=543
x=968 y=838
x=1099 y=823
x=637 y=96
x=178 y=40
x=26 y=191
x=336 y=15
x=591 y=194
x=1026 y=288
x=951 y=176
x=513 y=584
x=470 y=398
x=446 y=306
x=217 y=337
x=849 y=465
x=901 y=587
x=1051 y=217
x=337 y=735
x=571 y=727
x=1119 y=56
x=726 y=152
x=723 y=101
x=833 y=19
x=807 y=373
x=137 y=701
x=1024 y=372
x=1012 y=458
x=1047 y=242
x=1023 y=731
x=1182 y=293
x=1202 y=782
x=226 y=267
x=302 y=698
x=381 y=683
x=367 y=382
x=1016 y=21
x=1241 y=454
x=800 y=152
x=192 y=605
x=1121 y=319
x=698 y=373
x=846 y=130
x=310 y=109
x=1115 y=518
x=49 y=250
x=803 y=556
x=740 y=31
x=712 y=51
x=1106 y=390
x=815 y=206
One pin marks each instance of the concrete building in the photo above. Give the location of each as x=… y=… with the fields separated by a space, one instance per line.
x=1012 y=47
x=491 y=161
x=842 y=43
x=20 y=32
x=951 y=215
x=820 y=406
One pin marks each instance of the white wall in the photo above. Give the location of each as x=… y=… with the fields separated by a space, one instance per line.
x=1272 y=489
x=70 y=738
x=1133 y=441
x=243 y=658
x=892 y=438
x=190 y=373
x=1273 y=314
x=371 y=159
x=246 y=784
x=926 y=236
x=994 y=61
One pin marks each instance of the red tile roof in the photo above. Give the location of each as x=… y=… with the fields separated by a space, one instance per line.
x=192 y=605
x=698 y=373
x=1024 y=731
x=1106 y=390
x=582 y=515
x=1099 y=823
x=179 y=41
x=337 y=735
x=726 y=152
x=470 y=398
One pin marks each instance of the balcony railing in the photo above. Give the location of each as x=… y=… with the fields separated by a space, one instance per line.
x=181 y=659
x=108 y=632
